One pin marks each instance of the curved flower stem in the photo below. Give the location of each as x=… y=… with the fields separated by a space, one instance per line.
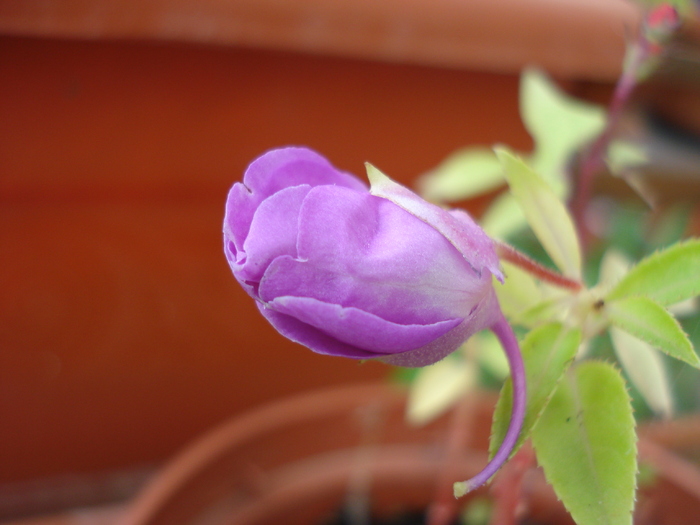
x=513 y=256
x=505 y=335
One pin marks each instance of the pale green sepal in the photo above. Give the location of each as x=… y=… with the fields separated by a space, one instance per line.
x=586 y=443
x=547 y=352
x=645 y=369
x=559 y=124
x=649 y=321
x=464 y=174
x=546 y=214
x=668 y=276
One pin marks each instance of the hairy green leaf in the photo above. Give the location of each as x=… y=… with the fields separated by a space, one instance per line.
x=465 y=173
x=547 y=352
x=668 y=276
x=586 y=444
x=545 y=213
x=649 y=321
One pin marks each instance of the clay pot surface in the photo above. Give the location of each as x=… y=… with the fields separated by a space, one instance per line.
x=300 y=460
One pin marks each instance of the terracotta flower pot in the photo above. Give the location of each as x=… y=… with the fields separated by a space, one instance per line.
x=299 y=461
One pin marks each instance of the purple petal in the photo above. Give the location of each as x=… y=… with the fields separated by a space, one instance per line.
x=356 y=250
x=483 y=316
x=462 y=232
x=273 y=171
x=358 y=328
x=311 y=337
x=273 y=232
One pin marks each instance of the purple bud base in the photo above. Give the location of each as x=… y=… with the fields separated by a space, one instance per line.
x=509 y=342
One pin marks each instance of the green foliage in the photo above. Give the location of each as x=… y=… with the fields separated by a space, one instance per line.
x=586 y=443
x=579 y=413
x=465 y=173
x=647 y=320
x=547 y=352
x=559 y=124
x=437 y=387
x=645 y=369
x=545 y=213
x=667 y=277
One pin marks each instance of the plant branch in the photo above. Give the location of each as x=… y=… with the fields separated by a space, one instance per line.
x=657 y=27
x=513 y=256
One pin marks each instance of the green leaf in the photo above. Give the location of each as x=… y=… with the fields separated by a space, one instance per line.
x=503 y=218
x=559 y=124
x=669 y=276
x=586 y=444
x=547 y=352
x=645 y=369
x=623 y=155
x=518 y=293
x=650 y=322
x=437 y=387
x=465 y=173
x=545 y=213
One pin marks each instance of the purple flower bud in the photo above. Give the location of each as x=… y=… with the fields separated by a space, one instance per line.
x=357 y=273
x=366 y=274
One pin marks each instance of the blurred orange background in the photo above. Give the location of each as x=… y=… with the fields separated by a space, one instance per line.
x=123 y=334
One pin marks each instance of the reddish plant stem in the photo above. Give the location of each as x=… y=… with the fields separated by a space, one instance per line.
x=593 y=159
x=513 y=256
x=657 y=27
x=507 y=489
x=444 y=507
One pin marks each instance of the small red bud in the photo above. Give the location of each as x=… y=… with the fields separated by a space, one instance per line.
x=660 y=23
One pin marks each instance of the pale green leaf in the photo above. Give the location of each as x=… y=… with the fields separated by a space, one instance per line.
x=489 y=354
x=559 y=124
x=465 y=173
x=503 y=218
x=518 y=293
x=546 y=310
x=586 y=443
x=613 y=266
x=645 y=369
x=546 y=214
x=437 y=387
x=623 y=155
x=684 y=308
x=668 y=276
x=652 y=323
x=547 y=352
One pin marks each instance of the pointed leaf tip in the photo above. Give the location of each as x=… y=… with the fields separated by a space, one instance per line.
x=545 y=212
